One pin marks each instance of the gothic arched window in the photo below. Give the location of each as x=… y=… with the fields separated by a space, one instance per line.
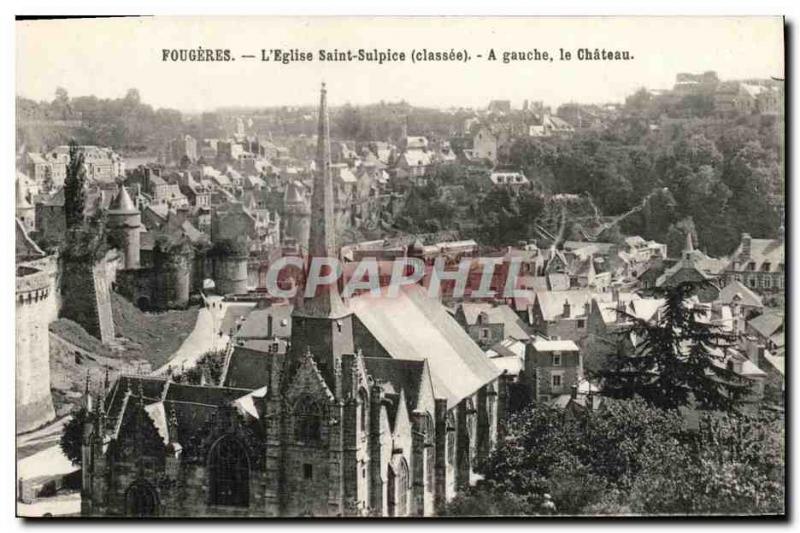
x=451 y=438
x=141 y=500
x=363 y=414
x=398 y=486
x=430 y=437
x=229 y=470
x=307 y=420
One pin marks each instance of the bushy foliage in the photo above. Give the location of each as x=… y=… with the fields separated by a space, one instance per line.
x=208 y=369
x=629 y=457
x=72 y=436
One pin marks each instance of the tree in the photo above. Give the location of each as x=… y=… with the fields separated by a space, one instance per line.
x=74 y=183
x=677 y=358
x=629 y=457
x=72 y=437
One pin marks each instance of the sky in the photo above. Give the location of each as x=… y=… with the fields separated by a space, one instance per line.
x=106 y=57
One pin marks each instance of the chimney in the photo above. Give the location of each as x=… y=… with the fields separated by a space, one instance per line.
x=567 y=308
x=746 y=243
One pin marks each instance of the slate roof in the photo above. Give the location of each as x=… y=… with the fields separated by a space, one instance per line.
x=414 y=326
x=552 y=302
x=403 y=374
x=543 y=345
x=246 y=368
x=746 y=296
x=762 y=252
x=255 y=323
x=513 y=325
x=767 y=324
x=190 y=406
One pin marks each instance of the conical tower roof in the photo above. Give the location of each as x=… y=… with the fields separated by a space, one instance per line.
x=122 y=203
x=294 y=193
x=326 y=303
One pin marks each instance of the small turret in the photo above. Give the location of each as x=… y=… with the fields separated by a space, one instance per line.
x=124 y=223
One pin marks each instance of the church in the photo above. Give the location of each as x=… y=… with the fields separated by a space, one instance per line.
x=381 y=406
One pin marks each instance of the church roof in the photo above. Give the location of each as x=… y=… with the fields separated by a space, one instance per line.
x=247 y=368
x=177 y=410
x=413 y=326
x=403 y=374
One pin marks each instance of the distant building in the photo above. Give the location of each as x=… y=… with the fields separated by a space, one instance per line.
x=184 y=146
x=552 y=368
x=759 y=264
x=508 y=179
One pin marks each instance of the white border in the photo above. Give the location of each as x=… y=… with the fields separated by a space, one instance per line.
x=321 y=7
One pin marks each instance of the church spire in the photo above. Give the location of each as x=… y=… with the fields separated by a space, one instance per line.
x=326 y=303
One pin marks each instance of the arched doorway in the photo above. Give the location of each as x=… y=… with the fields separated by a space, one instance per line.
x=229 y=470
x=141 y=500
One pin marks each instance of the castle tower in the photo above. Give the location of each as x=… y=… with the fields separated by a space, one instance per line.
x=34 y=301
x=24 y=210
x=124 y=222
x=298 y=216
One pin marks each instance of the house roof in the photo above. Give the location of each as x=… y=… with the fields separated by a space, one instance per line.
x=414 y=326
x=501 y=314
x=551 y=303
x=509 y=365
x=416 y=158
x=255 y=323
x=508 y=347
x=738 y=292
x=768 y=255
x=543 y=345
x=767 y=324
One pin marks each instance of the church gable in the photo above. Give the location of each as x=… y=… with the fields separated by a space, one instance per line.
x=308 y=380
x=137 y=436
x=401 y=434
x=426 y=402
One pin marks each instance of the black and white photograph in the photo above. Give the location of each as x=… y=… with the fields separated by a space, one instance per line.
x=367 y=267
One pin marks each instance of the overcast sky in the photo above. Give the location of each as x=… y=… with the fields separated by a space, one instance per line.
x=107 y=57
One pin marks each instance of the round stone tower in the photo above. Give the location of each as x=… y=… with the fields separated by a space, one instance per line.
x=298 y=215
x=231 y=274
x=124 y=222
x=33 y=304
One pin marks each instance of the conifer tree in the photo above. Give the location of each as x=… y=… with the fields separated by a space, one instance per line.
x=676 y=358
x=74 y=195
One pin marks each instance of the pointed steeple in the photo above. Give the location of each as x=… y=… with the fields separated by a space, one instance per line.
x=689 y=243
x=326 y=303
